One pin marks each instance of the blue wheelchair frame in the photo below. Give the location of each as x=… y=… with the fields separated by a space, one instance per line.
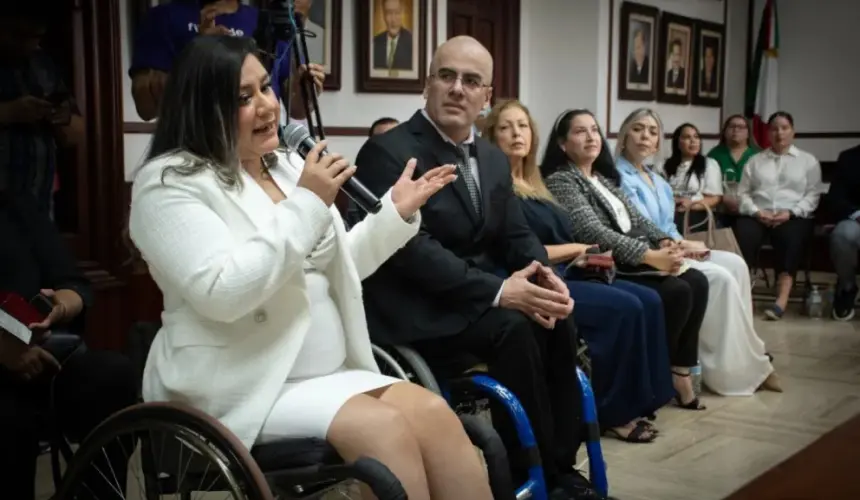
x=535 y=487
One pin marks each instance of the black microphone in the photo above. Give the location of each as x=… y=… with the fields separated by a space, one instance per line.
x=298 y=138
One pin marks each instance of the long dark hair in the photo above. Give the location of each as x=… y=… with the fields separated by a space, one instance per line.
x=555 y=158
x=671 y=165
x=199 y=111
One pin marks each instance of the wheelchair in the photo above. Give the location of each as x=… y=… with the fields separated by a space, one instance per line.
x=183 y=451
x=468 y=394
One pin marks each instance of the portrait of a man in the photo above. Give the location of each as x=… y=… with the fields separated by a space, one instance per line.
x=639 y=54
x=676 y=75
x=392 y=47
x=709 y=73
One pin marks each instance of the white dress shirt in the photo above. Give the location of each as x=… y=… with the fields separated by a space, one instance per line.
x=711 y=183
x=789 y=181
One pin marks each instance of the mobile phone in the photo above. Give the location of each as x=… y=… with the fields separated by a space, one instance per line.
x=42 y=304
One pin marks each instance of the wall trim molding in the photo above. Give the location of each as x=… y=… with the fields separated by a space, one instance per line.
x=331 y=131
x=797 y=135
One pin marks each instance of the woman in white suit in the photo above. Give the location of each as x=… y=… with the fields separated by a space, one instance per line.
x=263 y=323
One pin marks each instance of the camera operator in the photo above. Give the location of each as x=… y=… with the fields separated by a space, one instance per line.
x=168 y=28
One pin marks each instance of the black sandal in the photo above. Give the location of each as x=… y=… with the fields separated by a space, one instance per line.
x=636 y=435
x=694 y=405
x=648 y=426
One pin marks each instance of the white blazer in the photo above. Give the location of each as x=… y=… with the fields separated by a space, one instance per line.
x=229 y=264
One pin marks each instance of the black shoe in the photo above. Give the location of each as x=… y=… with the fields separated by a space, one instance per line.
x=578 y=488
x=843 y=304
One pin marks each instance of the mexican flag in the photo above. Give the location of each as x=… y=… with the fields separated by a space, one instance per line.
x=762 y=87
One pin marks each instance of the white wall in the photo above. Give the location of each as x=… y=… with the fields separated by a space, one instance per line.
x=818 y=75
x=344 y=108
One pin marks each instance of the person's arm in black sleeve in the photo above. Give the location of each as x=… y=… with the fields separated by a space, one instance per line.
x=58 y=266
x=424 y=262
x=844 y=182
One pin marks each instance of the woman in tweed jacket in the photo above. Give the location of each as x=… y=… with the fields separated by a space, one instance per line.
x=582 y=177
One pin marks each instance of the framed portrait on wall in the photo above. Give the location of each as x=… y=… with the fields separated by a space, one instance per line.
x=675 y=59
x=636 y=49
x=391 y=52
x=323 y=37
x=709 y=64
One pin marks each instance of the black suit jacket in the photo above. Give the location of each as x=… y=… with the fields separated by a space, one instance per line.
x=705 y=85
x=638 y=76
x=676 y=83
x=402 y=52
x=843 y=199
x=448 y=275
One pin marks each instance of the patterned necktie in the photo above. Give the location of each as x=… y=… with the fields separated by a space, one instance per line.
x=465 y=152
x=392 y=45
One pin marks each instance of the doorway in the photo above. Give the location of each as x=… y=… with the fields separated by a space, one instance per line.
x=496 y=24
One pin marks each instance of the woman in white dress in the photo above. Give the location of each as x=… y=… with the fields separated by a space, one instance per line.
x=263 y=323
x=731 y=354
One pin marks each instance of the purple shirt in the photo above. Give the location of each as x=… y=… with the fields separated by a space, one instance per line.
x=168 y=28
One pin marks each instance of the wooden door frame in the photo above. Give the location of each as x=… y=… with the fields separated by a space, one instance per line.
x=511 y=63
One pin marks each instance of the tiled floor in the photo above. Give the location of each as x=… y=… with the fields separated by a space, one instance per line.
x=707 y=455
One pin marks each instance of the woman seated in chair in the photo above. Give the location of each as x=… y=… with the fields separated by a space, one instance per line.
x=731 y=354
x=264 y=327
x=621 y=321
x=581 y=176
x=696 y=181
x=778 y=195
x=87 y=385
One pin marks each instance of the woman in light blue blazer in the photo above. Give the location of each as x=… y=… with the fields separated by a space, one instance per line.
x=732 y=355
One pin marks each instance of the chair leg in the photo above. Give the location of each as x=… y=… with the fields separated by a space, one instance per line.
x=535 y=487
x=596 y=464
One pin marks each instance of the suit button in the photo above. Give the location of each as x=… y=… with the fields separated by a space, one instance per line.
x=260 y=316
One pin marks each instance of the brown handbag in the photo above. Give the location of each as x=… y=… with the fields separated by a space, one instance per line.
x=713 y=238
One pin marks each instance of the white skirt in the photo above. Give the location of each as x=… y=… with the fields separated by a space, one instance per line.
x=307 y=408
x=731 y=353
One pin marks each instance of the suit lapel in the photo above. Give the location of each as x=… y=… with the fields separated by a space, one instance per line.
x=443 y=153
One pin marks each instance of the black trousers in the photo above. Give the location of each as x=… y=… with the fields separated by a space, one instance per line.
x=789 y=241
x=90 y=387
x=537 y=365
x=685 y=299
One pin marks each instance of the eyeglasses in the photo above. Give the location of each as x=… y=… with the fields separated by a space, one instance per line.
x=471 y=82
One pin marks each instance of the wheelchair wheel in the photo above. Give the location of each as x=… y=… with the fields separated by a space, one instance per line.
x=403 y=362
x=179 y=450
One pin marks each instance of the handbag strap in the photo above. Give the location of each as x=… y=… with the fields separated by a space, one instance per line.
x=709 y=220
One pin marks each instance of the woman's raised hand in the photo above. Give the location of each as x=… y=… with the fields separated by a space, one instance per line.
x=409 y=195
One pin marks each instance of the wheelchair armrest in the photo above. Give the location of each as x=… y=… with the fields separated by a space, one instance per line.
x=62 y=345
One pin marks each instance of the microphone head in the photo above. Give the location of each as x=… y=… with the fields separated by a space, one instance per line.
x=295 y=134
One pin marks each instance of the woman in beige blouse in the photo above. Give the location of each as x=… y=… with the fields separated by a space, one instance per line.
x=778 y=196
